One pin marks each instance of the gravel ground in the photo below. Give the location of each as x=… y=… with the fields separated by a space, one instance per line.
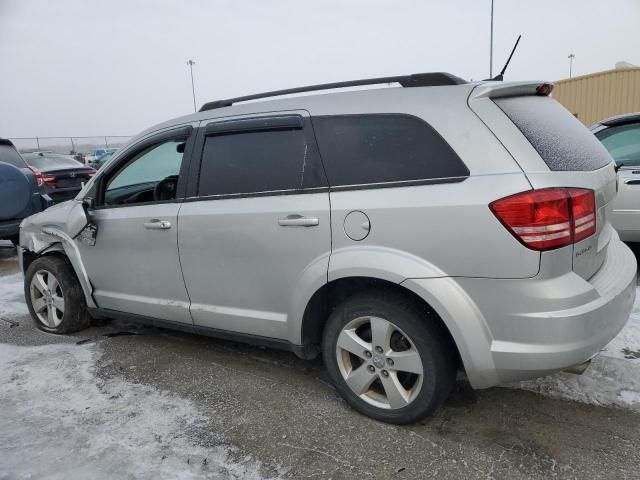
x=126 y=402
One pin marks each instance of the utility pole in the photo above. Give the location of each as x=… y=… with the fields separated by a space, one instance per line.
x=191 y=63
x=491 y=45
x=571 y=57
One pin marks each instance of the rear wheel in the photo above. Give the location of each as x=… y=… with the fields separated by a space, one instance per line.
x=388 y=357
x=54 y=296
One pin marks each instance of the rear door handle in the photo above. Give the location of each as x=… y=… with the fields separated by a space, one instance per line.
x=298 y=221
x=157 y=224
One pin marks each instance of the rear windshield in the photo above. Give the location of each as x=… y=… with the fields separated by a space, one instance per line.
x=10 y=155
x=561 y=140
x=52 y=162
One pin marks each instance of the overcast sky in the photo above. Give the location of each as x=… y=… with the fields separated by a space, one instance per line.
x=74 y=67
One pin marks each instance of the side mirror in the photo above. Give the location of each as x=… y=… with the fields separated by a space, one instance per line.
x=88 y=204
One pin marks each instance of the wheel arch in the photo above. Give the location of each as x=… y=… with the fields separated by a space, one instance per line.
x=331 y=294
x=57 y=243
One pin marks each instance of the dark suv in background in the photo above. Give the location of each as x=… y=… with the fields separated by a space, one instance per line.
x=21 y=191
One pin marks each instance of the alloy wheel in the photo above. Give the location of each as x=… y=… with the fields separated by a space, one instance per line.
x=379 y=362
x=47 y=298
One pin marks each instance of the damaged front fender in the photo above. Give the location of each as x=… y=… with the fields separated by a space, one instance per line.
x=54 y=230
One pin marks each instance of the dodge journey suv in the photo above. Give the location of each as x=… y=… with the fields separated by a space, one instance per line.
x=404 y=233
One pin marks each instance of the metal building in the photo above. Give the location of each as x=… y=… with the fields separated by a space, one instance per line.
x=601 y=94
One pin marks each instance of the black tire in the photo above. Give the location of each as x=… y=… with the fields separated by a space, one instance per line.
x=76 y=316
x=429 y=337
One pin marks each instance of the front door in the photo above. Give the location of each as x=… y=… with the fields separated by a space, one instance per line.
x=134 y=266
x=257 y=229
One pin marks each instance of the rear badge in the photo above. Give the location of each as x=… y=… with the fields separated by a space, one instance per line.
x=88 y=234
x=583 y=251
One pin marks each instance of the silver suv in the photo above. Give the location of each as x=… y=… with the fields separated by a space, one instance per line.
x=404 y=233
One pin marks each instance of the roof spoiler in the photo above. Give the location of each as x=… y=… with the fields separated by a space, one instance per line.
x=511 y=89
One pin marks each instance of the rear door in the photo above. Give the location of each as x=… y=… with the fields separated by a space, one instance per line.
x=623 y=143
x=554 y=149
x=256 y=227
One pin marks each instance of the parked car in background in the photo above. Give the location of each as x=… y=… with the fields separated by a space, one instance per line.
x=98 y=163
x=621 y=137
x=404 y=233
x=22 y=191
x=62 y=175
x=93 y=156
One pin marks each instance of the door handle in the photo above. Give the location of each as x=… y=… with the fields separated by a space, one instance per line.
x=156 y=224
x=298 y=221
x=632 y=182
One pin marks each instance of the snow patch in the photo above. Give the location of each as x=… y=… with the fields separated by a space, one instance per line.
x=60 y=421
x=613 y=379
x=12 y=296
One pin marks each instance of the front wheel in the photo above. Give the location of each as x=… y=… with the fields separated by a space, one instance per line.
x=389 y=357
x=54 y=296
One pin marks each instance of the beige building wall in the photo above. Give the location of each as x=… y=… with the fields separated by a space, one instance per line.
x=600 y=95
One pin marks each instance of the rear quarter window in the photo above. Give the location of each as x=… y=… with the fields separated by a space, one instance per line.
x=384 y=149
x=562 y=141
x=10 y=155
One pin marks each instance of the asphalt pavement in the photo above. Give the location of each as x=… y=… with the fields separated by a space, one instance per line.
x=277 y=416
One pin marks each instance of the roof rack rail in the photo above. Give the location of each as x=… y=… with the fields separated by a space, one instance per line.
x=416 y=80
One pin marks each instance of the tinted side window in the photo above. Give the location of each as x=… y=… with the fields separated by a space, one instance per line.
x=10 y=155
x=251 y=162
x=623 y=143
x=560 y=139
x=366 y=149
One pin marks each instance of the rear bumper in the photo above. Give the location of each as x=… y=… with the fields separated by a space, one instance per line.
x=528 y=328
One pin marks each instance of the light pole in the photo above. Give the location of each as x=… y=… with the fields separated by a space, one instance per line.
x=491 y=45
x=191 y=63
x=571 y=57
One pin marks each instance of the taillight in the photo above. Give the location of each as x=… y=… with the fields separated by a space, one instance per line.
x=38 y=174
x=584 y=213
x=548 y=218
x=49 y=180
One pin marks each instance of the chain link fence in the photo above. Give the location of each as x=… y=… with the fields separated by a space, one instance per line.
x=68 y=145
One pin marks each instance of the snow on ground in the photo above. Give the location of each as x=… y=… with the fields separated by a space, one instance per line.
x=12 y=296
x=60 y=421
x=613 y=379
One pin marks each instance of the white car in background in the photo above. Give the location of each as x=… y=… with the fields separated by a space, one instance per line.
x=621 y=137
